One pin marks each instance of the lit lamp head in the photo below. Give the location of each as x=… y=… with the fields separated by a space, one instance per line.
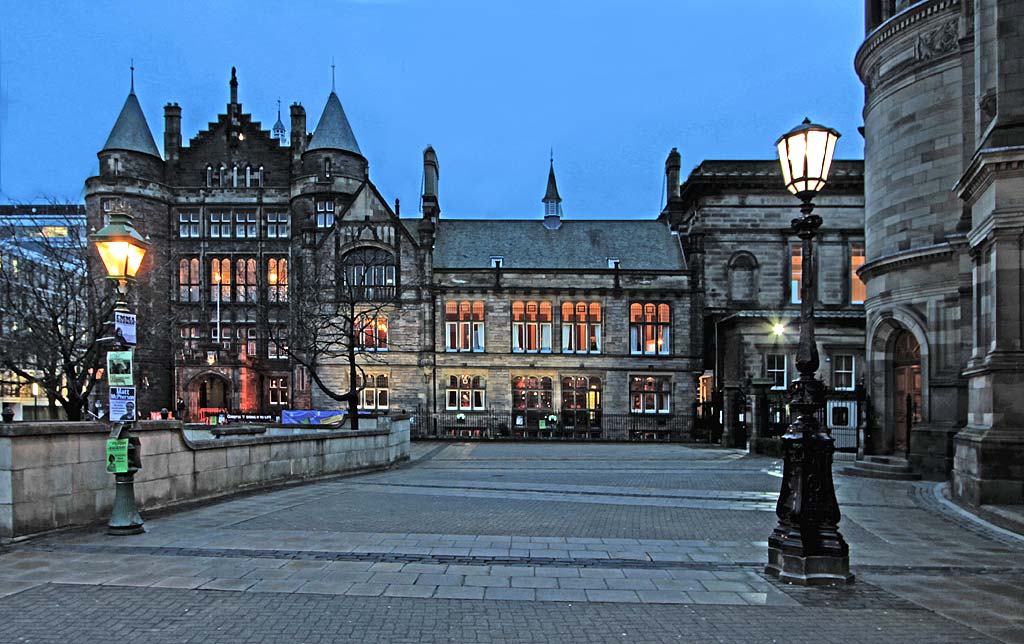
x=120 y=246
x=805 y=153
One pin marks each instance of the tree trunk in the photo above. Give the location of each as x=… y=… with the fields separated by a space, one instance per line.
x=353 y=399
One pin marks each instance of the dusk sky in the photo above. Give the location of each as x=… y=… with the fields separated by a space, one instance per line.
x=493 y=86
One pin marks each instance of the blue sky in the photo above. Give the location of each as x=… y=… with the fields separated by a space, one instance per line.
x=611 y=86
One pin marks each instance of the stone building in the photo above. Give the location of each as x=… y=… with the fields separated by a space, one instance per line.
x=944 y=134
x=734 y=220
x=538 y=316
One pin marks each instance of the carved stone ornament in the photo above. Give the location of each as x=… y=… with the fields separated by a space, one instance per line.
x=941 y=40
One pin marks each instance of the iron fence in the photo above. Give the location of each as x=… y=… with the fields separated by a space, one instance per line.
x=518 y=425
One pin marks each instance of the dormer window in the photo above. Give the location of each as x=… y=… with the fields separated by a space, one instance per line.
x=497 y=261
x=613 y=262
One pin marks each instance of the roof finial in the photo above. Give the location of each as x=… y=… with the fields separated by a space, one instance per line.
x=552 y=156
x=132 y=67
x=332 y=73
x=278 y=108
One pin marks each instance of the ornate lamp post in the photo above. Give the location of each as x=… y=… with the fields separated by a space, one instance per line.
x=806 y=547
x=122 y=248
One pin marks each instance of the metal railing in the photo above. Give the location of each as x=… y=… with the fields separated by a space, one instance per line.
x=528 y=425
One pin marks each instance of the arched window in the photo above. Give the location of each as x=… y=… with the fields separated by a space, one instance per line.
x=531 y=327
x=743 y=278
x=220 y=280
x=234 y=176
x=245 y=280
x=581 y=327
x=466 y=393
x=222 y=176
x=188 y=280
x=369 y=274
x=277 y=280
x=209 y=176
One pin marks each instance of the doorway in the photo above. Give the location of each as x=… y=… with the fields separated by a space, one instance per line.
x=208 y=395
x=906 y=379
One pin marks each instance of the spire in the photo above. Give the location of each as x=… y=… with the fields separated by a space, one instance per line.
x=552 y=202
x=278 y=131
x=131 y=131
x=333 y=131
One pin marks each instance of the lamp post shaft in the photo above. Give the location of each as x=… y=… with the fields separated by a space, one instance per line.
x=124 y=517
x=806 y=546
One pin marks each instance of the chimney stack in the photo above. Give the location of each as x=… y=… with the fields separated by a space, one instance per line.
x=431 y=175
x=672 y=165
x=298 y=114
x=172 y=131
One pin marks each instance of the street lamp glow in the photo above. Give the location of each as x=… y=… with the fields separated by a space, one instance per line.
x=805 y=153
x=120 y=246
x=778 y=329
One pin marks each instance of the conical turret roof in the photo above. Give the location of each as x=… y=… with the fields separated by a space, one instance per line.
x=333 y=131
x=131 y=131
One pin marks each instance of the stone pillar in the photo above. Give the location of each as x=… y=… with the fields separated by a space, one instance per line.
x=758 y=425
x=730 y=399
x=988 y=466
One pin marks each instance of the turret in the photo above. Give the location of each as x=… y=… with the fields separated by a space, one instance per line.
x=278 y=132
x=333 y=151
x=130 y=149
x=172 y=131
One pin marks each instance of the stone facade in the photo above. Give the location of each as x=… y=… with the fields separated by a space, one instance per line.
x=734 y=220
x=944 y=115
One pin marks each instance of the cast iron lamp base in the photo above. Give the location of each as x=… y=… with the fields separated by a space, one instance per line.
x=125 y=519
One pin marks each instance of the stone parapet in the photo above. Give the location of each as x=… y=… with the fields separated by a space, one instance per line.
x=53 y=475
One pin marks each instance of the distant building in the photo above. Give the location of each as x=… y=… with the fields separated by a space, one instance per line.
x=26 y=231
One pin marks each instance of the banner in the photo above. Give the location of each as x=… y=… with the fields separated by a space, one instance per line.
x=119 y=369
x=311 y=417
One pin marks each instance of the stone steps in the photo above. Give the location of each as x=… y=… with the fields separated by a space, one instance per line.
x=893 y=468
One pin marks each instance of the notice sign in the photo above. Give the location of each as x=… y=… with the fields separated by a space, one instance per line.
x=124 y=327
x=122 y=403
x=117 y=455
x=119 y=369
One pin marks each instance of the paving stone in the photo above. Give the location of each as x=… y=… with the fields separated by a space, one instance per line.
x=487 y=581
x=181 y=582
x=716 y=598
x=518 y=594
x=368 y=590
x=630 y=584
x=428 y=569
x=664 y=597
x=396 y=578
x=534 y=582
x=409 y=590
x=726 y=586
x=324 y=587
x=439 y=580
x=612 y=596
x=561 y=595
x=229 y=584
x=582 y=583
x=459 y=592
x=277 y=586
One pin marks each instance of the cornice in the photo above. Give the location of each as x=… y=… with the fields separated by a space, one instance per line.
x=986 y=164
x=920 y=255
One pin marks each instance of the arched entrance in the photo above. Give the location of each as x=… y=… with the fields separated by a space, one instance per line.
x=208 y=393
x=906 y=379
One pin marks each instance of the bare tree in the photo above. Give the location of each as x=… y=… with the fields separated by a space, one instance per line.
x=52 y=313
x=339 y=315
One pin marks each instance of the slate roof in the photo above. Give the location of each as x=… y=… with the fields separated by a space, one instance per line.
x=638 y=244
x=333 y=131
x=131 y=131
x=552 y=192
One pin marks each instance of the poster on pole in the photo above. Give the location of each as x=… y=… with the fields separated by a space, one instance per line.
x=119 y=369
x=122 y=403
x=124 y=327
x=117 y=455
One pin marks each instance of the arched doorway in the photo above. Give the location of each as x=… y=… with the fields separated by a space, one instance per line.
x=906 y=378
x=209 y=394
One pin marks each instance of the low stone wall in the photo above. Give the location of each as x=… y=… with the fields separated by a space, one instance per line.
x=53 y=475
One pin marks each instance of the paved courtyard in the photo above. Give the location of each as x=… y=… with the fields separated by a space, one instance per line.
x=480 y=542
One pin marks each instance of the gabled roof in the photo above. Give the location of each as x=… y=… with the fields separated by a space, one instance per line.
x=333 y=131
x=638 y=244
x=131 y=131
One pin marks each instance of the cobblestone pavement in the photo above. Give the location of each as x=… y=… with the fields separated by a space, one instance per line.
x=521 y=542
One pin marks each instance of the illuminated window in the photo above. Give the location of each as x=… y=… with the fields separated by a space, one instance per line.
x=466 y=393
x=220 y=280
x=277 y=280
x=796 y=262
x=858 y=292
x=531 y=327
x=649 y=328
x=372 y=332
x=189 y=336
x=581 y=401
x=581 y=327
x=650 y=394
x=464 y=326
